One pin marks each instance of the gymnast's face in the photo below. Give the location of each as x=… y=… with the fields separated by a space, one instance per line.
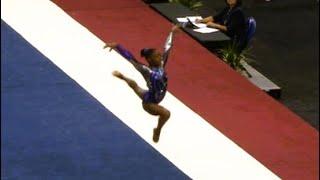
x=155 y=58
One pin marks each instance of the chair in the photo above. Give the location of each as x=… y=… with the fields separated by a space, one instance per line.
x=251 y=29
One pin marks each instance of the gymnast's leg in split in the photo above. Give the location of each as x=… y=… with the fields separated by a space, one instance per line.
x=151 y=108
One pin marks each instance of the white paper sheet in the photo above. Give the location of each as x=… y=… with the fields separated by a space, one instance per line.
x=182 y=19
x=202 y=27
x=206 y=30
x=191 y=18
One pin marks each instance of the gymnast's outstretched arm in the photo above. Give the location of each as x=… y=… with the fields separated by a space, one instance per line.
x=143 y=69
x=168 y=45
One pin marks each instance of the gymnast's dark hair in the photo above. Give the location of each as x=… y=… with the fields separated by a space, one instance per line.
x=146 y=52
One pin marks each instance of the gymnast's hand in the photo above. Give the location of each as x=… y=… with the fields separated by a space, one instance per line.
x=111 y=45
x=175 y=28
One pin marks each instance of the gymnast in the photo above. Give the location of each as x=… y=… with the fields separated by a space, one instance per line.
x=154 y=75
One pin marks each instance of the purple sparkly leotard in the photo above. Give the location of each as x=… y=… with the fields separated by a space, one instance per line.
x=156 y=78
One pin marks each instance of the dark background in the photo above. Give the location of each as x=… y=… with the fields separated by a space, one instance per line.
x=285 y=49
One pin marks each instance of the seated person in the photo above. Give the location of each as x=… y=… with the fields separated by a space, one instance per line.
x=231 y=20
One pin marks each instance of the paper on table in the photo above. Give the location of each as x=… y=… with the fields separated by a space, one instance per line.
x=191 y=18
x=183 y=20
x=200 y=25
x=206 y=30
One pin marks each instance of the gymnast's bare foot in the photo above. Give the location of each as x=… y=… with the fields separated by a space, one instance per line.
x=118 y=74
x=156 y=135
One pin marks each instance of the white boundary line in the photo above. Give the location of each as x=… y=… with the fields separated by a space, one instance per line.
x=187 y=140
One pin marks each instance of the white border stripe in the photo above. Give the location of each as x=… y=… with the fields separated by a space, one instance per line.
x=187 y=140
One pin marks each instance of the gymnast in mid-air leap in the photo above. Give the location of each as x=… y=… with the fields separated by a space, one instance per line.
x=154 y=75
